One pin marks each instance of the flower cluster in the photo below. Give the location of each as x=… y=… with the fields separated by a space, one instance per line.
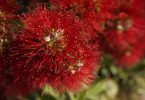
x=61 y=42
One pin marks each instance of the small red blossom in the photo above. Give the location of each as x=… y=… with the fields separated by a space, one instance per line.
x=53 y=48
x=124 y=36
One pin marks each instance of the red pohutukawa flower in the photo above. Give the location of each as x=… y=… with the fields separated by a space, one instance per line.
x=53 y=48
x=125 y=35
